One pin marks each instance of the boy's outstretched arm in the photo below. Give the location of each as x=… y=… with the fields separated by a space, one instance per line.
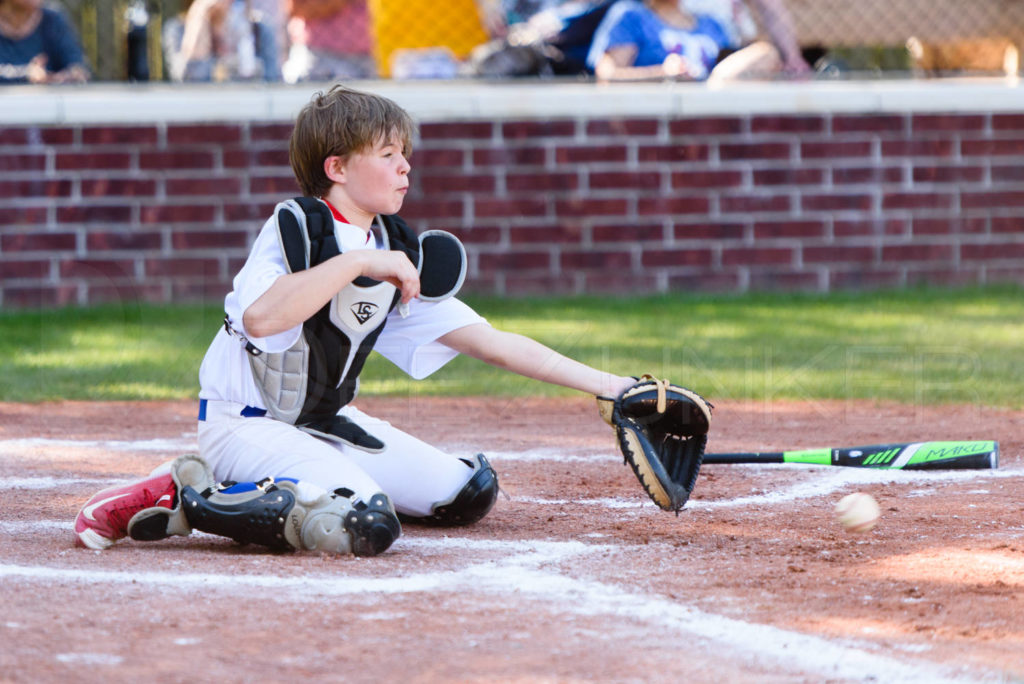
x=532 y=359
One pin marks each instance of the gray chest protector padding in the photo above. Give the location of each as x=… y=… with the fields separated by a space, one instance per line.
x=307 y=384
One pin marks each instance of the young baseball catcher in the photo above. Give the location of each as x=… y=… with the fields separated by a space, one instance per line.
x=331 y=277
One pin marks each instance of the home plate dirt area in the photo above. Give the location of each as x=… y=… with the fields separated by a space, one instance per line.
x=575 y=576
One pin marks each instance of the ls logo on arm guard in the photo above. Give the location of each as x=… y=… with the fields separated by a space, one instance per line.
x=363 y=311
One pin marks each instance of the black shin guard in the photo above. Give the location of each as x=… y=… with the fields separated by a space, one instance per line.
x=252 y=517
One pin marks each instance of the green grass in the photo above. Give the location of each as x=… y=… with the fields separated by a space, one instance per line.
x=918 y=346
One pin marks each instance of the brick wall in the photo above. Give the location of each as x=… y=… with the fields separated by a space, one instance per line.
x=165 y=211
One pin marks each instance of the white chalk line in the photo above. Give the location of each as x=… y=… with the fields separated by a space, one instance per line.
x=525 y=570
x=19 y=447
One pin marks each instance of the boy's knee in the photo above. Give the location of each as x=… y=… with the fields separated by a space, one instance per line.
x=471 y=503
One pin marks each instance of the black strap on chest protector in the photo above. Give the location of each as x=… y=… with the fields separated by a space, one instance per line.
x=326 y=390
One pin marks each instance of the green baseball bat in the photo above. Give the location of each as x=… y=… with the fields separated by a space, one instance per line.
x=909 y=456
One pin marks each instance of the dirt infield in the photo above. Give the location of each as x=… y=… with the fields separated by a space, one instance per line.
x=575 y=576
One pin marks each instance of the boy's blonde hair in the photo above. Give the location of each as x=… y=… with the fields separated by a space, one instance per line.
x=340 y=123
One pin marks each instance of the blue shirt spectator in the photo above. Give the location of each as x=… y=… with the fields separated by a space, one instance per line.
x=38 y=45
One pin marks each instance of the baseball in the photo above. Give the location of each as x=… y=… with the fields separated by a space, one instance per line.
x=858 y=512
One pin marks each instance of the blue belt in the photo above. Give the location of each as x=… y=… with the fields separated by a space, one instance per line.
x=246 y=412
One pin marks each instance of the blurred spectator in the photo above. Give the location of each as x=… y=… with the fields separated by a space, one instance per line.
x=221 y=40
x=330 y=40
x=38 y=45
x=655 y=39
x=745 y=56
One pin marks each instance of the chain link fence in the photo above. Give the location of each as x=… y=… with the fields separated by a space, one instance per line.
x=295 y=40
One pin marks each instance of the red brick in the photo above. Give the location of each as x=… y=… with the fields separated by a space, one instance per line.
x=247 y=157
x=272 y=132
x=790 y=228
x=35 y=188
x=209 y=290
x=433 y=210
x=789 y=176
x=956 y=123
x=707 y=179
x=1008 y=122
x=562 y=233
x=993 y=251
x=209 y=185
x=674 y=205
x=706 y=126
x=94 y=213
x=458 y=131
x=39 y=296
x=1013 y=173
x=944 y=276
x=787 y=124
x=275 y=185
x=117 y=187
x=510 y=207
x=864 y=279
x=870 y=123
x=835 y=202
x=14 y=136
x=37 y=242
x=428 y=158
x=917 y=200
x=532 y=130
x=661 y=258
x=194 y=159
x=991 y=200
x=14 y=216
x=744 y=151
x=615 y=283
x=1008 y=224
x=591 y=206
x=867 y=174
x=754 y=203
x=948 y=226
x=52 y=136
x=839 y=254
x=705 y=282
x=838 y=149
x=635 y=128
x=180 y=213
x=628 y=232
x=595 y=260
x=249 y=211
x=209 y=239
x=22 y=162
x=987 y=148
x=784 y=281
x=459 y=182
x=917 y=252
x=539 y=284
x=918 y=148
x=949 y=174
x=515 y=261
x=100 y=293
x=711 y=231
x=96 y=268
x=22 y=269
x=756 y=256
x=862 y=227
x=473 y=235
x=583 y=155
x=119 y=135
x=542 y=182
x=203 y=133
x=177 y=266
x=123 y=240
x=504 y=156
x=670 y=153
x=640 y=180
x=92 y=161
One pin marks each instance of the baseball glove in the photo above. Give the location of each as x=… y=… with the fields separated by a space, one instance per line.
x=662 y=430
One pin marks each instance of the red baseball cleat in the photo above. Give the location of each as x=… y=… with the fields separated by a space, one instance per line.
x=104 y=518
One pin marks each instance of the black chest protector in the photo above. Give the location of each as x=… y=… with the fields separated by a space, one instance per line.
x=308 y=384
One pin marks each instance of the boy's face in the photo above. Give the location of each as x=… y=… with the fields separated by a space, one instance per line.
x=377 y=178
